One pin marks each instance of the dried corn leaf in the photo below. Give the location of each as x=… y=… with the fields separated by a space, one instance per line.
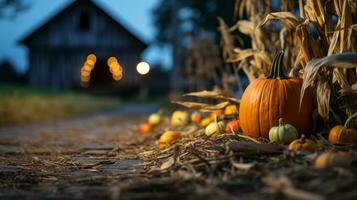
x=227 y=38
x=352 y=89
x=244 y=26
x=207 y=94
x=288 y=19
x=315 y=10
x=343 y=60
x=213 y=95
x=202 y=106
x=340 y=77
x=354 y=27
x=244 y=54
x=323 y=92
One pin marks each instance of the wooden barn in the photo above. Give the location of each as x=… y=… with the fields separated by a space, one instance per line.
x=83 y=46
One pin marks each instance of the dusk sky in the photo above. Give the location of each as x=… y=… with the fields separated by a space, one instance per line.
x=136 y=15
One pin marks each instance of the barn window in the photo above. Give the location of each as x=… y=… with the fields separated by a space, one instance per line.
x=84 y=21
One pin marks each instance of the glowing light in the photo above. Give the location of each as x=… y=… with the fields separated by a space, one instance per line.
x=92 y=57
x=112 y=60
x=85 y=78
x=143 y=68
x=85 y=73
x=90 y=62
x=87 y=67
x=117 y=77
x=115 y=70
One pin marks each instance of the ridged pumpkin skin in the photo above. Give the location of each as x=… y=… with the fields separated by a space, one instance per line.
x=342 y=135
x=303 y=144
x=215 y=128
x=333 y=159
x=267 y=99
x=283 y=133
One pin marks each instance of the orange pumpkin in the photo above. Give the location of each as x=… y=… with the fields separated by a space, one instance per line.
x=196 y=117
x=333 y=159
x=303 y=144
x=267 y=99
x=342 y=134
x=168 y=138
x=232 y=125
x=145 y=128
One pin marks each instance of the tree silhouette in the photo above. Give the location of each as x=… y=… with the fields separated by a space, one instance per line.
x=8 y=73
x=9 y=8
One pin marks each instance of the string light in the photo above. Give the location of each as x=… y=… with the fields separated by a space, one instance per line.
x=87 y=68
x=115 y=68
x=112 y=60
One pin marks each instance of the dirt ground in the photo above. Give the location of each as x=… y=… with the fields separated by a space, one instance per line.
x=75 y=159
x=103 y=157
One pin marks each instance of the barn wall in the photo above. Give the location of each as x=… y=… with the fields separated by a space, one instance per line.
x=60 y=69
x=58 y=50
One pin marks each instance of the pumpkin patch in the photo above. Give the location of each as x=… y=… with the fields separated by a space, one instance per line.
x=204 y=99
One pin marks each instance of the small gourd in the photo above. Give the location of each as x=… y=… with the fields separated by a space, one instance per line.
x=303 y=144
x=231 y=110
x=196 y=117
x=168 y=138
x=145 y=128
x=232 y=126
x=215 y=128
x=333 y=159
x=283 y=133
x=343 y=134
x=206 y=121
x=180 y=118
x=154 y=119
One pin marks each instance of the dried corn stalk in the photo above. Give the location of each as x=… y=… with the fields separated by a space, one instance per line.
x=323 y=28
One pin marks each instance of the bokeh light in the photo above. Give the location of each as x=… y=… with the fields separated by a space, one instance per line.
x=111 y=60
x=87 y=68
x=143 y=68
x=115 y=68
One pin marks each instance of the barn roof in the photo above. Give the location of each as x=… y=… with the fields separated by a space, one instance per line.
x=75 y=3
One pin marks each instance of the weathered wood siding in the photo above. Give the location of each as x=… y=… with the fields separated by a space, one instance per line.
x=57 y=51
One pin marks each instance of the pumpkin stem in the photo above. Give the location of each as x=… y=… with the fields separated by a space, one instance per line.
x=280 y=121
x=349 y=119
x=302 y=139
x=277 y=70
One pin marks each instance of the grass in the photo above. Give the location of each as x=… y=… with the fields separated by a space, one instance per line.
x=19 y=104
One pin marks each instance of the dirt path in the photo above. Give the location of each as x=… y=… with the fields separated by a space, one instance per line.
x=104 y=157
x=75 y=159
